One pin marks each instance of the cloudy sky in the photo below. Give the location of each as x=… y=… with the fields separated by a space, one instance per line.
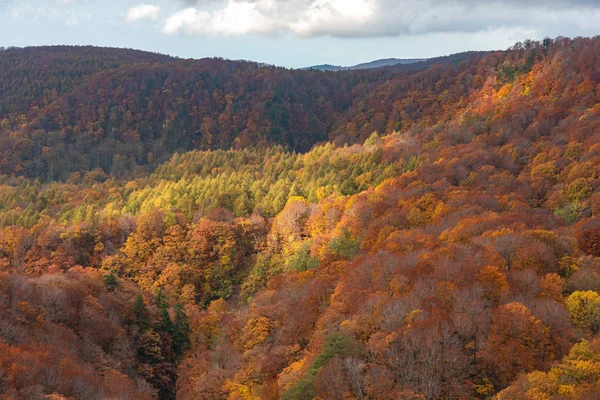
x=295 y=33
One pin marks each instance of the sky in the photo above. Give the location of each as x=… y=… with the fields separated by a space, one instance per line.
x=295 y=33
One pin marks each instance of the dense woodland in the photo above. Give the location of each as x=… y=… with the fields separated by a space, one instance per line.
x=103 y=111
x=226 y=230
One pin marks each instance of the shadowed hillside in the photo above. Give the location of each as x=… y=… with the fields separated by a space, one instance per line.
x=77 y=109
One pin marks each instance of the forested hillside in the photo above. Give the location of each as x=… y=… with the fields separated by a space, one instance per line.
x=439 y=237
x=85 y=108
x=34 y=77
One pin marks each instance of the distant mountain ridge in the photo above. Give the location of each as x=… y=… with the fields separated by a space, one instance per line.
x=386 y=62
x=71 y=109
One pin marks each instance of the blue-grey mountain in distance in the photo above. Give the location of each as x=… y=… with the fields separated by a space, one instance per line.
x=387 y=62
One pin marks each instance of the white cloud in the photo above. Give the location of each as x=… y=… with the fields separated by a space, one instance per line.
x=342 y=16
x=378 y=18
x=32 y=12
x=237 y=18
x=67 y=11
x=141 y=12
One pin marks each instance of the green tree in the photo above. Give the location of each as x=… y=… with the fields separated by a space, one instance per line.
x=165 y=325
x=301 y=260
x=140 y=313
x=336 y=345
x=344 y=245
x=546 y=43
x=181 y=331
x=110 y=281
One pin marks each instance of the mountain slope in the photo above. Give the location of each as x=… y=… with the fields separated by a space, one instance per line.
x=454 y=278
x=324 y=67
x=35 y=76
x=455 y=256
x=140 y=111
x=386 y=62
x=146 y=112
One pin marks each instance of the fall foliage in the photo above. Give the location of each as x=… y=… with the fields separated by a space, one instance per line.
x=228 y=230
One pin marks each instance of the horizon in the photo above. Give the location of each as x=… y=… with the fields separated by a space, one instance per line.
x=294 y=33
x=245 y=60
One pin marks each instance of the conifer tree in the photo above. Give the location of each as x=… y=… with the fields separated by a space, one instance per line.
x=111 y=282
x=140 y=313
x=166 y=325
x=181 y=330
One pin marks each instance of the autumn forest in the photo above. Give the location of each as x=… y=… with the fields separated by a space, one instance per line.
x=213 y=229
